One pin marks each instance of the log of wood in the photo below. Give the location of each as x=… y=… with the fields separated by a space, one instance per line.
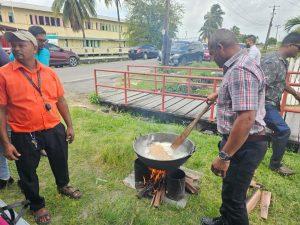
x=157 y=197
x=190 y=187
x=254 y=184
x=253 y=200
x=264 y=204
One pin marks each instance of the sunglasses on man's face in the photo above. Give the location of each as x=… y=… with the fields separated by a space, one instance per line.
x=296 y=45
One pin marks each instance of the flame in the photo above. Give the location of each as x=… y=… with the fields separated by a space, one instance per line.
x=157 y=175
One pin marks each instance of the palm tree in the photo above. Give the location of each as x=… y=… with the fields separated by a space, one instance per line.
x=213 y=21
x=75 y=12
x=292 y=23
x=118 y=5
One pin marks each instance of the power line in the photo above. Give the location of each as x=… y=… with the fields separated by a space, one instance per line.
x=241 y=16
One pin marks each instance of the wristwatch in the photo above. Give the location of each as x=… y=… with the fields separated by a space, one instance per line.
x=224 y=156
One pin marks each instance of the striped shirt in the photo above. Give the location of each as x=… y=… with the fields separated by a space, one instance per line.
x=242 y=89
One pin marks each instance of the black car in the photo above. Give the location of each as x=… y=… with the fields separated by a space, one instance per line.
x=143 y=52
x=184 y=52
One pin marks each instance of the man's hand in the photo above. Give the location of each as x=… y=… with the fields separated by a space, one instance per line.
x=219 y=167
x=212 y=98
x=70 y=134
x=11 y=152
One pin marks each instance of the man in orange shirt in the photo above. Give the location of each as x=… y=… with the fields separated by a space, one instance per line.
x=32 y=98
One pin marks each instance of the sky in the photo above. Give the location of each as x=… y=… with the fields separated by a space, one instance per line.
x=251 y=16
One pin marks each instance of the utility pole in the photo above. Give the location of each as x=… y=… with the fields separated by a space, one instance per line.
x=270 y=25
x=166 y=40
x=277 y=27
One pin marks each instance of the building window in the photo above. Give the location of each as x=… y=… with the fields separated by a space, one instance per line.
x=66 y=43
x=106 y=27
x=31 y=19
x=47 y=20
x=0 y=17
x=11 y=17
x=41 y=20
x=35 y=20
x=52 y=19
x=58 y=22
x=102 y=27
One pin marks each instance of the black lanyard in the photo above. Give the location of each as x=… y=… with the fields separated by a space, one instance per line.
x=37 y=87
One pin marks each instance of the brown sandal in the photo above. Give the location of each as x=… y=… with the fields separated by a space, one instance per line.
x=70 y=191
x=42 y=218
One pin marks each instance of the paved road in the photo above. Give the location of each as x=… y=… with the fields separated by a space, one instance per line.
x=80 y=79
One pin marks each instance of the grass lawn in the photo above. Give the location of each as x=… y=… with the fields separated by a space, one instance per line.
x=103 y=149
x=173 y=87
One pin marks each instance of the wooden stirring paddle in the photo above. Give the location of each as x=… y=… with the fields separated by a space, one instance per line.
x=180 y=139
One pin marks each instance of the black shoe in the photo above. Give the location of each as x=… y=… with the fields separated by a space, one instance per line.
x=212 y=221
x=6 y=183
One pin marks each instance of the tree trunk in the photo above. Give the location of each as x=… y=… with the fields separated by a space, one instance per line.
x=119 y=22
x=166 y=40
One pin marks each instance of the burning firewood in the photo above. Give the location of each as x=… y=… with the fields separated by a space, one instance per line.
x=253 y=200
x=264 y=204
x=158 y=197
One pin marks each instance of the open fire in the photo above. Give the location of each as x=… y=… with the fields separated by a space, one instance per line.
x=158 y=184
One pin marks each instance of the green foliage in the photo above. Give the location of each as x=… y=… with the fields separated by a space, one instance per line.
x=145 y=21
x=103 y=150
x=75 y=12
x=271 y=41
x=94 y=98
x=292 y=23
x=213 y=21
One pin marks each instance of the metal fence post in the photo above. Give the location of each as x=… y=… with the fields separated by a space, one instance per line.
x=163 y=92
x=95 y=80
x=212 y=109
x=189 y=81
x=155 y=78
x=125 y=88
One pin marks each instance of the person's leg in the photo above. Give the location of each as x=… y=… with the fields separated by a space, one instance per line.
x=4 y=170
x=280 y=137
x=26 y=166
x=236 y=183
x=56 y=147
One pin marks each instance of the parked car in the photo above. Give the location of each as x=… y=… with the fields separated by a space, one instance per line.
x=184 y=52
x=61 y=57
x=206 y=55
x=143 y=52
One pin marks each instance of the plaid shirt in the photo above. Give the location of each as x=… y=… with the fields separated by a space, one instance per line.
x=242 y=89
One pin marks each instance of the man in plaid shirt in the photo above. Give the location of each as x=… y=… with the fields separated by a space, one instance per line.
x=240 y=119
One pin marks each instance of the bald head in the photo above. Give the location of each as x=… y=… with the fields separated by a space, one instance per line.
x=223 y=37
x=222 y=46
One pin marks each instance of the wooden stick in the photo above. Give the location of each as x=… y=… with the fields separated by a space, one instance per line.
x=253 y=200
x=264 y=204
x=180 y=139
x=157 y=197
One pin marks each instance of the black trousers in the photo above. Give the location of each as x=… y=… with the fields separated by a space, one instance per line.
x=237 y=181
x=56 y=146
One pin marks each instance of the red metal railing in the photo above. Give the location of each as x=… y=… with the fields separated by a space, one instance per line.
x=284 y=107
x=160 y=82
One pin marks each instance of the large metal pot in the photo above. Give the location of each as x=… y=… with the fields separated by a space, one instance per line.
x=141 y=143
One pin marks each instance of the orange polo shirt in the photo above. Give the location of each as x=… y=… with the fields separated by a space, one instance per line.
x=25 y=107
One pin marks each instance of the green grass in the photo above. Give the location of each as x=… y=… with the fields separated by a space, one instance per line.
x=103 y=149
x=171 y=87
